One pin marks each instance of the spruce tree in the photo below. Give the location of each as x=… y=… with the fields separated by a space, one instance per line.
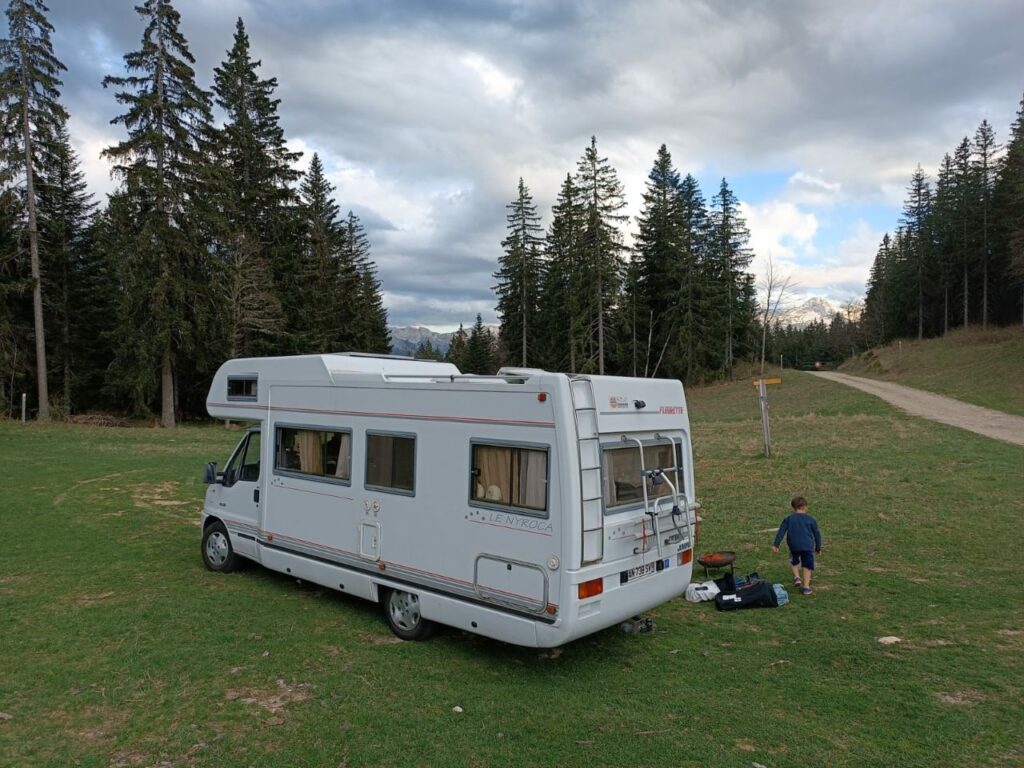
x=65 y=211
x=1008 y=204
x=520 y=276
x=659 y=246
x=965 y=183
x=731 y=255
x=371 y=328
x=689 y=276
x=456 y=354
x=600 y=247
x=427 y=351
x=984 y=162
x=32 y=120
x=916 y=212
x=943 y=233
x=164 y=268
x=562 y=301
x=250 y=180
x=479 y=354
x=321 y=303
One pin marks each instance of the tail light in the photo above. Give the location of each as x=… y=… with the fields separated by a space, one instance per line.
x=685 y=557
x=591 y=588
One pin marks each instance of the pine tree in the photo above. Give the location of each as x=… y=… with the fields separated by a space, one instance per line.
x=875 y=302
x=520 y=276
x=942 y=226
x=250 y=177
x=562 y=300
x=164 y=268
x=659 y=251
x=32 y=118
x=730 y=254
x=916 y=212
x=600 y=246
x=984 y=162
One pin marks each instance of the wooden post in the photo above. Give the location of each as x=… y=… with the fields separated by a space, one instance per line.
x=23 y=398
x=762 y=390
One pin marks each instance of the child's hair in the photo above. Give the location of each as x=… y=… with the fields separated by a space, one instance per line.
x=799 y=502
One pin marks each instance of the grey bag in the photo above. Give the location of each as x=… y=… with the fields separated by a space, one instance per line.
x=781 y=595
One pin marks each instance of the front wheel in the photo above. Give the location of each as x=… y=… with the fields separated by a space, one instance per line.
x=402 y=612
x=218 y=554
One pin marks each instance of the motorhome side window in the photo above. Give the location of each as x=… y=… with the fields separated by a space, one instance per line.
x=510 y=476
x=391 y=462
x=242 y=387
x=319 y=453
x=623 y=483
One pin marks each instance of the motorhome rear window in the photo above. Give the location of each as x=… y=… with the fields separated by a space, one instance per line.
x=318 y=453
x=510 y=476
x=623 y=483
x=242 y=387
x=391 y=462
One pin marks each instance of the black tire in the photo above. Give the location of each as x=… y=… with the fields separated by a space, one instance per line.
x=218 y=554
x=402 y=613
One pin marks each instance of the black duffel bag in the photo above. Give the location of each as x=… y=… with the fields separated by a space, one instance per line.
x=757 y=594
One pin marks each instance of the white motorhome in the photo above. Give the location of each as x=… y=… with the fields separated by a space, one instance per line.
x=531 y=507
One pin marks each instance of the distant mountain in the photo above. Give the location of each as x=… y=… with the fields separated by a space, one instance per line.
x=405 y=340
x=810 y=311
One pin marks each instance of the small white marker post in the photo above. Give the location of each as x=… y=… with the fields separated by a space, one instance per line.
x=24 y=397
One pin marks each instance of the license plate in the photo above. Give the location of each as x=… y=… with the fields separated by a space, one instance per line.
x=640 y=571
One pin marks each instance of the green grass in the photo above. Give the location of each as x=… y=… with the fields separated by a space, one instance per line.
x=118 y=649
x=984 y=367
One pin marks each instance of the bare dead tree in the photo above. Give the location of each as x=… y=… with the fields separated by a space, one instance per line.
x=775 y=289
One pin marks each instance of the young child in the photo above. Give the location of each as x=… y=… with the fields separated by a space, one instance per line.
x=802 y=536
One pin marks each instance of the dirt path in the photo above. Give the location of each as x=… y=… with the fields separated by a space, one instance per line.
x=984 y=421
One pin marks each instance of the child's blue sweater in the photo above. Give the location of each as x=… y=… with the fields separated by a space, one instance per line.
x=801 y=532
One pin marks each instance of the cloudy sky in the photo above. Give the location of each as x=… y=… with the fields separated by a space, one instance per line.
x=427 y=113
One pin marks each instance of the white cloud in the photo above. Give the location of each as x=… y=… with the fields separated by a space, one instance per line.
x=496 y=83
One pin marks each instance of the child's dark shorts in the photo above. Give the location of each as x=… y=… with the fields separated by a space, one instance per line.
x=804 y=557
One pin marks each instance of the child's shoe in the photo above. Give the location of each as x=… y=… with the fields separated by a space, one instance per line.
x=806 y=591
x=797 y=581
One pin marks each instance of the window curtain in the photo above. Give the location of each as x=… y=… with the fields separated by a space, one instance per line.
x=533 y=478
x=311 y=460
x=344 y=456
x=495 y=473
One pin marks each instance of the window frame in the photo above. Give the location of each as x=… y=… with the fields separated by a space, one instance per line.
x=543 y=514
x=366 y=462
x=329 y=479
x=639 y=503
x=245 y=377
x=240 y=449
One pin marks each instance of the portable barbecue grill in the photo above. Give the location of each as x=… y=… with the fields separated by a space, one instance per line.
x=717 y=561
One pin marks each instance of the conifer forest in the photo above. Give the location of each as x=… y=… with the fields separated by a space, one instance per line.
x=214 y=246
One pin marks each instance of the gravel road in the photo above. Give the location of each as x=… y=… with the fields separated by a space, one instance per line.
x=984 y=421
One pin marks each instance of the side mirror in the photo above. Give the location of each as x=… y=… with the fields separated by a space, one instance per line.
x=210 y=473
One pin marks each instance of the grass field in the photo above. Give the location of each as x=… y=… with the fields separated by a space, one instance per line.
x=119 y=649
x=981 y=367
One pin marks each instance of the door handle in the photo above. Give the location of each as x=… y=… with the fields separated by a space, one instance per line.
x=256 y=495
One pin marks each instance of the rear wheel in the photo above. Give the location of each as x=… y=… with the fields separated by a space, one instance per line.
x=402 y=612
x=218 y=554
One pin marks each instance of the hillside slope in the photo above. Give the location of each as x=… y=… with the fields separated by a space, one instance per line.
x=981 y=367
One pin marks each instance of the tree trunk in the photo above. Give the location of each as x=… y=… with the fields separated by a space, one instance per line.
x=945 y=311
x=42 y=388
x=966 y=318
x=167 y=391
x=920 y=305
x=600 y=329
x=984 y=270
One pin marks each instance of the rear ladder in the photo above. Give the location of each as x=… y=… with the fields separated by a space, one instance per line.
x=588 y=445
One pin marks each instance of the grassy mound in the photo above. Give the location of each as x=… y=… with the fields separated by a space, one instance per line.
x=981 y=367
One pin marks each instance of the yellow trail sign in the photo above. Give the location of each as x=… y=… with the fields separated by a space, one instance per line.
x=767 y=381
